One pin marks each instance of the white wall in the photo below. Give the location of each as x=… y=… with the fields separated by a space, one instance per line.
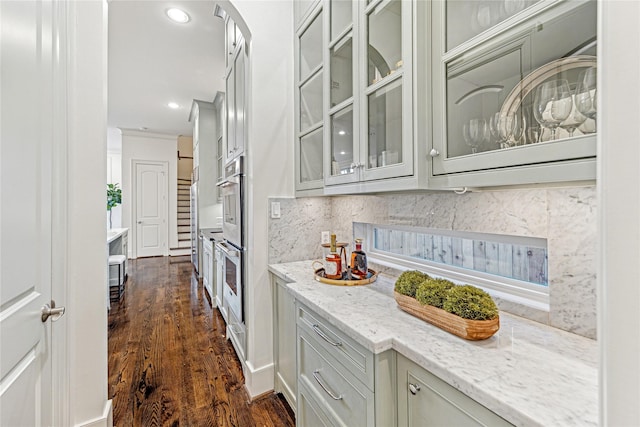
x=270 y=162
x=156 y=147
x=618 y=177
x=86 y=251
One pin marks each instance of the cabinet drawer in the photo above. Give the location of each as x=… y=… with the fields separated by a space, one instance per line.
x=353 y=356
x=342 y=396
x=309 y=412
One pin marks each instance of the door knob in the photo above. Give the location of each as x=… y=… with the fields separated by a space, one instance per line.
x=434 y=153
x=51 y=311
x=139 y=222
x=414 y=388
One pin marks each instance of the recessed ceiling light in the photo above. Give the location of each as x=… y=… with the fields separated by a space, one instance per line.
x=173 y=105
x=343 y=153
x=178 y=15
x=342 y=132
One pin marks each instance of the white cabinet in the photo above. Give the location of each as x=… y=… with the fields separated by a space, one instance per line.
x=355 y=87
x=235 y=92
x=490 y=62
x=284 y=341
x=206 y=127
x=340 y=382
x=208 y=278
x=425 y=400
x=370 y=134
x=309 y=77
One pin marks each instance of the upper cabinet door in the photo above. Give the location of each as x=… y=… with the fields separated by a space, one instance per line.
x=309 y=101
x=342 y=138
x=386 y=81
x=514 y=88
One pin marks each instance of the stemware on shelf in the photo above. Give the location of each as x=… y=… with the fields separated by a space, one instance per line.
x=575 y=119
x=475 y=132
x=586 y=93
x=552 y=104
x=494 y=128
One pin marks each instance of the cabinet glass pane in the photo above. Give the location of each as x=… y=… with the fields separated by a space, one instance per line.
x=385 y=126
x=311 y=156
x=311 y=47
x=342 y=141
x=341 y=11
x=491 y=101
x=468 y=18
x=311 y=102
x=384 y=40
x=342 y=71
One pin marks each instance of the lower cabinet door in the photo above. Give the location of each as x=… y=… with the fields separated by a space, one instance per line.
x=309 y=413
x=342 y=397
x=425 y=400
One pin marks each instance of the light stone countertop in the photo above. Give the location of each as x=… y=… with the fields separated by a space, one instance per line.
x=114 y=233
x=528 y=373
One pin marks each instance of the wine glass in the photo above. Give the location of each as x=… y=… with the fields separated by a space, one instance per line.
x=586 y=93
x=475 y=133
x=552 y=104
x=575 y=119
x=494 y=128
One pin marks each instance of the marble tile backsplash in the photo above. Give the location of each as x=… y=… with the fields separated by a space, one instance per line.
x=566 y=217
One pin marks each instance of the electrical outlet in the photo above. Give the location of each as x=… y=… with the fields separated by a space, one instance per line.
x=275 y=210
x=325 y=237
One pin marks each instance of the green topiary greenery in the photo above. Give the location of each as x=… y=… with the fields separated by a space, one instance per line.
x=433 y=292
x=408 y=282
x=470 y=303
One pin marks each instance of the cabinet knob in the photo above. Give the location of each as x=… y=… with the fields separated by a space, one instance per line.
x=414 y=388
x=434 y=152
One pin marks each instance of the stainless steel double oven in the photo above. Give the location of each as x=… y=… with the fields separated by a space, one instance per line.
x=233 y=246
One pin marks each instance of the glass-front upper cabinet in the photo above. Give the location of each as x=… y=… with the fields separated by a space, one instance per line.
x=514 y=87
x=343 y=136
x=387 y=149
x=371 y=135
x=309 y=101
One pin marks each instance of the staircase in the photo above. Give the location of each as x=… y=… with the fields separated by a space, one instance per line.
x=184 y=218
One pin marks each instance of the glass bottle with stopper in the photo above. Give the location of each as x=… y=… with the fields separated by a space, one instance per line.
x=359 y=268
x=333 y=261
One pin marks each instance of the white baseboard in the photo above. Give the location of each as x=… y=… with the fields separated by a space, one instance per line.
x=258 y=381
x=105 y=420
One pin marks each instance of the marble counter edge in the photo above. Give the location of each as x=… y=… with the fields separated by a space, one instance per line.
x=119 y=233
x=459 y=377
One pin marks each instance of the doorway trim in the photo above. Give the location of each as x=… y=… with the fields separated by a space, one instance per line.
x=134 y=204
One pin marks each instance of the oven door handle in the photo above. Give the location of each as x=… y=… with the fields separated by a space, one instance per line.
x=232 y=180
x=228 y=252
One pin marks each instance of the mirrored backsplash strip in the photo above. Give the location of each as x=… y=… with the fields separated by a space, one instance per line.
x=514 y=257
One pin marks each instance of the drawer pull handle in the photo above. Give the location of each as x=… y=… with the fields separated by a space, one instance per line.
x=414 y=388
x=316 y=375
x=325 y=337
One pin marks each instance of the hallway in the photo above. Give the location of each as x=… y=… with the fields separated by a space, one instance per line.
x=170 y=363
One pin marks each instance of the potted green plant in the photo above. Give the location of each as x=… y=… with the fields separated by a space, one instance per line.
x=114 y=198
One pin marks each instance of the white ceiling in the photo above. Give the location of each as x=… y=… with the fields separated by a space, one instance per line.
x=154 y=61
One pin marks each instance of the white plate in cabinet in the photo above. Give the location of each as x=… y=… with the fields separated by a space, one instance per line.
x=426 y=400
x=353 y=356
x=339 y=393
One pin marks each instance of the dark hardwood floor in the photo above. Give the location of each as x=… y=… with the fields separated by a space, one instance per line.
x=170 y=363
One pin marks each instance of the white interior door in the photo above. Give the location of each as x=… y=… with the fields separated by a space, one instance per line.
x=151 y=209
x=27 y=65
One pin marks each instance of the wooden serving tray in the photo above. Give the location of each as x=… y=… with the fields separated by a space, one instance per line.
x=319 y=276
x=464 y=328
